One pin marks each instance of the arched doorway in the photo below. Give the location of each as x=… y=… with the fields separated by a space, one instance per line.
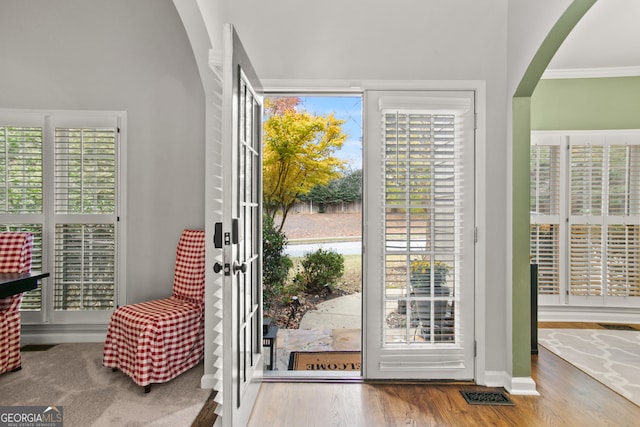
x=521 y=136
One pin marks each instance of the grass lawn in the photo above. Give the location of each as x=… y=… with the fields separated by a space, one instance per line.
x=351 y=281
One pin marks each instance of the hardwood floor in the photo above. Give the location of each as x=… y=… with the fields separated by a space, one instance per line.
x=568 y=397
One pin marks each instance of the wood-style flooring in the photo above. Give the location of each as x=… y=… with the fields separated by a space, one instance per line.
x=568 y=397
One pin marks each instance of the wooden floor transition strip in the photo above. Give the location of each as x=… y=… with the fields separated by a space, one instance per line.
x=207 y=415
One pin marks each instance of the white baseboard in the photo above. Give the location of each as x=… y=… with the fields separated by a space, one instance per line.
x=514 y=385
x=58 y=334
x=564 y=313
x=524 y=386
x=208 y=381
x=494 y=379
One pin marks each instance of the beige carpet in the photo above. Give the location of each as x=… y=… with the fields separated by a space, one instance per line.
x=611 y=357
x=72 y=376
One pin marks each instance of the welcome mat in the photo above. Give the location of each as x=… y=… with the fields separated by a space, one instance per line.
x=324 y=361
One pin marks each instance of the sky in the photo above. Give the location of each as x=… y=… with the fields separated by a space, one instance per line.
x=349 y=109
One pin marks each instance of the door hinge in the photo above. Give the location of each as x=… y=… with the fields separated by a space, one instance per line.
x=475 y=121
x=475 y=349
x=475 y=234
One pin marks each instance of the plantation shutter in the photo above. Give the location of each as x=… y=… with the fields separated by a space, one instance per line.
x=623 y=260
x=21 y=187
x=85 y=212
x=586 y=256
x=587 y=244
x=623 y=221
x=421 y=221
x=21 y=170
x=545 y=214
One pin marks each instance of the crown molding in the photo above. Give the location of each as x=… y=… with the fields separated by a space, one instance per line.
x=586 y=73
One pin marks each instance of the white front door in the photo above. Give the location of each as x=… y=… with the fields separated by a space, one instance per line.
x=419 y=244
x=241 y=236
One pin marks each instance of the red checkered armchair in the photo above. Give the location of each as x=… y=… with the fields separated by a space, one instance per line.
x=155 y=341
x=15 y=257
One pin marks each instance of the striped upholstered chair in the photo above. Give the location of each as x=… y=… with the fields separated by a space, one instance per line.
x=155 y=341
x=15 y=257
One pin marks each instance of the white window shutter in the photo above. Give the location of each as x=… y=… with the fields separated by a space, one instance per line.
x=20 y=169
x=545 y=205
x=21 y=188
x=587 y=180
x=623 y=260
x=591 y=244
x=586 y=255
x=545 y=252
x=422 y=223
x=85 y=207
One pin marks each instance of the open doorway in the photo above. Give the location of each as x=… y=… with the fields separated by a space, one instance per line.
x=312 y=243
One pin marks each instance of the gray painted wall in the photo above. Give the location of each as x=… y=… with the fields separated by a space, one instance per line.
x=421 y=40
x=120 y=55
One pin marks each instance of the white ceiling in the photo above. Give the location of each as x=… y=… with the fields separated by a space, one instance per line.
x=607 y=37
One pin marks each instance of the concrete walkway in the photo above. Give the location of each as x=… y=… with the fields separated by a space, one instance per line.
x=342 y=312
x=334 y=326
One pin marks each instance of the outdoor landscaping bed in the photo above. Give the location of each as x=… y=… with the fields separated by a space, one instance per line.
x=288 y=316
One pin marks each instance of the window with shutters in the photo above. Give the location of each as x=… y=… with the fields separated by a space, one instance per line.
x=423 y=226
x=420 y=223
x=21 y=187
x=545 y=215
x=60 y=180
x=585 y=216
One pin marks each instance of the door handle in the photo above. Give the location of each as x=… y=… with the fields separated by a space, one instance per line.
x=217 y=267
x=239 y=267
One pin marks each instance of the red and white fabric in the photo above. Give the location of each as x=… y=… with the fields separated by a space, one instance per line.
x=156 y=341
x=15 y=257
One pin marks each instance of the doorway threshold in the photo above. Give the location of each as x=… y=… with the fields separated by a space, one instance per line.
x=310 y=377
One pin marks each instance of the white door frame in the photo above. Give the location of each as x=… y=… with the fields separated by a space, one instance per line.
x=482 y=376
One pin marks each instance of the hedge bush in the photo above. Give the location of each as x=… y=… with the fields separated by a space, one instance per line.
x=320 y=268
x=275 y=265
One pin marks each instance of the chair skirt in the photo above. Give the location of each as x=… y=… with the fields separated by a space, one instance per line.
x=10 y=358
x=155 y=341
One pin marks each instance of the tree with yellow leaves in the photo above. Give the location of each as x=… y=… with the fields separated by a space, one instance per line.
x=298 y=153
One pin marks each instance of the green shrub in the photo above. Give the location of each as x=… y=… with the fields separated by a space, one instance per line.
x=322 y=267
x=275 y=265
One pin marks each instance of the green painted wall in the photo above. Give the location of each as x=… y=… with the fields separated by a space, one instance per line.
x=586 y=104
x=521 y=299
